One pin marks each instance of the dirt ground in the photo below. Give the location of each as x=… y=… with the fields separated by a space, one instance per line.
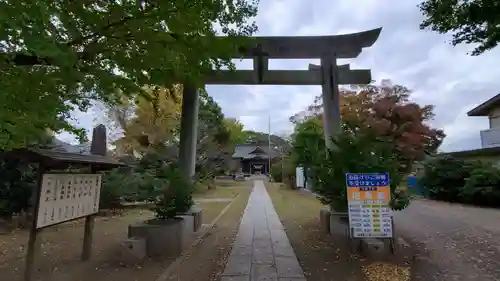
x=60 y=247
x=207 y=260
x=322 y=256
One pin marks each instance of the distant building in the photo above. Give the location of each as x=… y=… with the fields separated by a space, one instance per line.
x=253 y=158
x=490 y=109
x=490 y=138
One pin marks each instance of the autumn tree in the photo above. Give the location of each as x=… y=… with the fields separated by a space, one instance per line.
x=56 y=56
x=382 y=130
x=387 y=113
x=384 y=111
x=470 y=22
x=148 y=121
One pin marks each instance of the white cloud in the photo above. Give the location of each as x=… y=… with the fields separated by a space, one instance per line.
x=439 y=74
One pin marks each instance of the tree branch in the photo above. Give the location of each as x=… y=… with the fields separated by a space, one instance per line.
x=23 y=59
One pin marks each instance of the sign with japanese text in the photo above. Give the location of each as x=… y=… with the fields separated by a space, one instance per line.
x=65 y=197
x=368 y=197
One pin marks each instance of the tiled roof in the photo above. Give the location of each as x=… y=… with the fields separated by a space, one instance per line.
x=245 y=150
x=60 y=155
x=61 y=146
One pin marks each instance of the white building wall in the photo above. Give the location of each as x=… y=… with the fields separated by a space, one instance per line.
x=494 y=117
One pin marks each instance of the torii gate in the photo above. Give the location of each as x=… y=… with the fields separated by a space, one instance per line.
x=327 y=48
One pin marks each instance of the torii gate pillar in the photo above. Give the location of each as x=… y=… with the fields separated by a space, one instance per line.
x=189 y=130
x=331 y=100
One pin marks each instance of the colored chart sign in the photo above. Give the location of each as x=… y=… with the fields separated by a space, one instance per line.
x=368 y=197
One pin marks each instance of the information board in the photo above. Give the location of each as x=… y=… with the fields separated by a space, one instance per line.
x=65 y=197
x=368 y=197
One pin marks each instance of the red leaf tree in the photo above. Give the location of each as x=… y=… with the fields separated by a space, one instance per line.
x=385 y=112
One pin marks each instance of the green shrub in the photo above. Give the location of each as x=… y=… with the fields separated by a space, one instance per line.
x=444 y=177
x=174 y=192
x=464 y=181
x=17 y=181
x=356 y=155
x=122 y=185
x=483 y=186
x=277 y=172
x=284 y=171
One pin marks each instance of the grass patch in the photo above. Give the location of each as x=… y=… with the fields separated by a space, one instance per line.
x=229 y=191
x=211 y=210
x=219 y=192
x=231 y=183
x=322 y=257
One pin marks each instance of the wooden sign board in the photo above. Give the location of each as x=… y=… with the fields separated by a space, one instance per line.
x=66 y=197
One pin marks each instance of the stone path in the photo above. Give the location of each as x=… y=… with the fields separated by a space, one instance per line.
x=262 y=250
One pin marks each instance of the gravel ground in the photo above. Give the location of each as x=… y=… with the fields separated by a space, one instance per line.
x=453 y=242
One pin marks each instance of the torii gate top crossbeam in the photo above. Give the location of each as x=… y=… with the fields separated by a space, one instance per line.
x=310 y=47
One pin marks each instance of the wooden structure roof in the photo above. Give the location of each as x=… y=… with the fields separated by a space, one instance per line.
x=53 y=159
x=250 y=151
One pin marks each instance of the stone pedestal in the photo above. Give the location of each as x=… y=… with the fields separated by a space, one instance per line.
x=339 y=223
x=163 y=237
x=324 y=218
x=195 y=218
x=133 y=250
x=382 y=250
x=334 y=222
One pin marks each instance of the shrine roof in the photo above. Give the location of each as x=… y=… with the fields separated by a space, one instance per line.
x=249 y=151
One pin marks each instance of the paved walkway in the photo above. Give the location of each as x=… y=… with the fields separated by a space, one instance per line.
x=262 y=250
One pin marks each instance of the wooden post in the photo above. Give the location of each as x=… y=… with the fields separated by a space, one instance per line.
x=34 y=231
x=98 y=147
x=88 y=237
x=392 y=240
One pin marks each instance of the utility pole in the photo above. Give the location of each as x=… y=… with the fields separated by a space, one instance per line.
x=269 y=147
x=282 y=172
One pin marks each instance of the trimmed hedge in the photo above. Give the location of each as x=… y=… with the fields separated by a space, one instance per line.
x=464 y=181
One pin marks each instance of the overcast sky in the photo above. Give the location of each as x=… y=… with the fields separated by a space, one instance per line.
x=437 y=72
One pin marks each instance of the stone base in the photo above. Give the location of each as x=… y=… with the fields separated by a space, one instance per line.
x=187 y=225
x=163 y=237
x=324 y=218
x=339 y=223
x=133 y=250
x=334 y=222
x=378 y=249
x=196 y=215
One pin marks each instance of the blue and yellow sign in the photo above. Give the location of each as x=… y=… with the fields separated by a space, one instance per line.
x=368 y=197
